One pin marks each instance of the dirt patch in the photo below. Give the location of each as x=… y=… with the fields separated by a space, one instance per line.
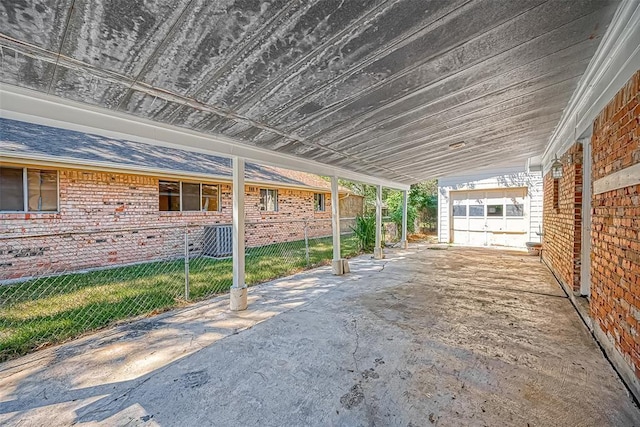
x=422 y=238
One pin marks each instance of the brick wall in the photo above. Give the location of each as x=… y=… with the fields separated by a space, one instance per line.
x=111 y=218
x=285 y=225
x=562 y=219
x=615 y=232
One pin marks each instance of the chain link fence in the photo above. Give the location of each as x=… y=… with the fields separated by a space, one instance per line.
x=57 y=286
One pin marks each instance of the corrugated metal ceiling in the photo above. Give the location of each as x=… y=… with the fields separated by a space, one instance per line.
x=379 y=87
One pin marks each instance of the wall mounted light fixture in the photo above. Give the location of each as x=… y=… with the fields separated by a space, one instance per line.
x=556 y=168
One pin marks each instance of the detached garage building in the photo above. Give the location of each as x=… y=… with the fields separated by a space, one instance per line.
x=496 y=208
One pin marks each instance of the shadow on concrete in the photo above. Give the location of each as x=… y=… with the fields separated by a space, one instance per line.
x=93 y=375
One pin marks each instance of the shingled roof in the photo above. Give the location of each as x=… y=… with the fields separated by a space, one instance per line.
x=28 y=141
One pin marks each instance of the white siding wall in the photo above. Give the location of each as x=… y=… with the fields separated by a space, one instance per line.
x=444 y=216
x=503 y=178
x=535 y=211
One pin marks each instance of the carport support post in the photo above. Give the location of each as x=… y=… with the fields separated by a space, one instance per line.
x=405 y=205
x=339 y=266
x=377 y=250
x=239 y=288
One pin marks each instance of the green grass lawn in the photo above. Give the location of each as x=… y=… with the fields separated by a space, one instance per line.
x=52 y=309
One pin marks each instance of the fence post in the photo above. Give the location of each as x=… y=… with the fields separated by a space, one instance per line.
x=186 y=263
x=306 y=244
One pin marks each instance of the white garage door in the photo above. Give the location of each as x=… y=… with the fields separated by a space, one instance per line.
x=489 y=217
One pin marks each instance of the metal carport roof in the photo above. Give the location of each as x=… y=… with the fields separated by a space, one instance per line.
x=397 y=90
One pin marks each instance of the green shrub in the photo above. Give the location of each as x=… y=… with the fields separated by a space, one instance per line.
x=365 y=232
x=412 y=214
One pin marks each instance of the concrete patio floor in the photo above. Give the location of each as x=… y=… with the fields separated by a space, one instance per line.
x=450 y=337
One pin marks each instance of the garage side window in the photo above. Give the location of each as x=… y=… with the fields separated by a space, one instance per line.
x=459 y=210
x=494 y=210
x=515 y=209
x=476 y=210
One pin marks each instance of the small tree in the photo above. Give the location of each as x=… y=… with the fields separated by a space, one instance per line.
x=421 y=197
x=394 y=202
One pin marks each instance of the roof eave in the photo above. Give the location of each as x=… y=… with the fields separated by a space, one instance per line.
x=72 y=163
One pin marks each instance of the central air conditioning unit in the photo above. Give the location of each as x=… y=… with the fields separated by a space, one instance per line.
x=218 y=241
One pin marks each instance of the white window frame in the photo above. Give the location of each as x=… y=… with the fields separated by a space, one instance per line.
x=505 y=202
x=466 y=215
x=219 y=199
x=181 y=195
x=199 y=184
x=263 y=206
x=322 y=205
x=504 y=218
x=25 y=190
x=486 y=210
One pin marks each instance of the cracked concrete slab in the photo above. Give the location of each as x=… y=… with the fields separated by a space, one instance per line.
x=458 y=336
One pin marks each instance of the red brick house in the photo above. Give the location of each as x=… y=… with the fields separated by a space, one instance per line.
x=55 y=182
x=592 y=227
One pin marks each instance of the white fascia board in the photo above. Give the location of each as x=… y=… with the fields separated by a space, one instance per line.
x=34 y=107
x=479 y=175
x=615 y=61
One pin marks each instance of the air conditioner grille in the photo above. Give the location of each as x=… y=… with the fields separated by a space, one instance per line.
x=218 y=241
